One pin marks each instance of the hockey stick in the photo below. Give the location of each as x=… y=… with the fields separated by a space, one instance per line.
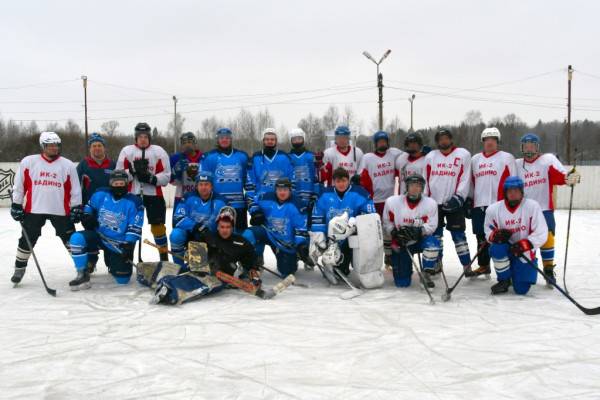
x=353 y=292
x=569 y=228
x=277 y=274
x=587 y=311
x=446 y=296
x=142 y=197
x=51 y=292
x=416 y=267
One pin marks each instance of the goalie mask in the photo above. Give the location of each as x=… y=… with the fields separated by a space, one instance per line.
x=415 y=184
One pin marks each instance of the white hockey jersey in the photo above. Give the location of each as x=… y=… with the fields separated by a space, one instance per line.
x=45 y=186
x=378 y=174
x=158 y=165
x=488 y=173
x=448 y=174
x=526 y=221
x=333 y=158
x=540 y=176
x=408 y=165
x=398 y=211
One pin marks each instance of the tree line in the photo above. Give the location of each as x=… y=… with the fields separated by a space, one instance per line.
x=18 y=140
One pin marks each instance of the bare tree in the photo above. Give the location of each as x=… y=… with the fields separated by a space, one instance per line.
x=109 y=127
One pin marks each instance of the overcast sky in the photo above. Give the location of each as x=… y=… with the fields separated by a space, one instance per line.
x=201 y=50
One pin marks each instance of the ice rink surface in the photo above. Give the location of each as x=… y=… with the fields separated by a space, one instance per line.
x=109 y=343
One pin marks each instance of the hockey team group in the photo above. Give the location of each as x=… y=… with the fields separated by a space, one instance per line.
x=332 y=212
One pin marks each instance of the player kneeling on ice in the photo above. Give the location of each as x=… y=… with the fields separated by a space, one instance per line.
x=194 y=215
x=113 y=222
x=411 y=220
x=516 y=228
x=221 y=251
x=345 y=229
x=276 y=221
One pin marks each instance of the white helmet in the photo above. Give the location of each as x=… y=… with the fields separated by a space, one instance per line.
x=297 y=132
x=490 y=132
x=49 y=138
x=269 y=131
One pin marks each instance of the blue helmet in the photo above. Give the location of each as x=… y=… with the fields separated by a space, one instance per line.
x=95 y=137
x=513 y=182
x=342 y=130
x=204 y=176
x=530 y=138
x=224 y=132
x=381 y=135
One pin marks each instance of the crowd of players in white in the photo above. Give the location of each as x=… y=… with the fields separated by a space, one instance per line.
x=324 y=209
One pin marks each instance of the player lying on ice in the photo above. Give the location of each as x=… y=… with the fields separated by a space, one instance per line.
x=346 y=229
x=516 y=228
x=196 y=213
x=277 y=222
x=411 y=220
x=113 y=221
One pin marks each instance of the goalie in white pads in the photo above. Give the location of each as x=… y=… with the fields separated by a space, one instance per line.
x=411 y=220
x=516 y=228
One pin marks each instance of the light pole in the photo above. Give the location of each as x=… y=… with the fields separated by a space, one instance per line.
x=379 y=82
x=84 y=79
x=174 y=124
x=411 y=99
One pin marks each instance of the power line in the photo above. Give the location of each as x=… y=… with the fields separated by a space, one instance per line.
x=39 y=84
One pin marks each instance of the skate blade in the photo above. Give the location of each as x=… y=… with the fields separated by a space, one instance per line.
x=82 y=286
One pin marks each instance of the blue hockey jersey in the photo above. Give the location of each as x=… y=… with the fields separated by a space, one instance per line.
x=355 y=201
x=119 y=220
x=93 y=176
x=230 y=172
x=304 y=178
x=263 y=172
x=285 y=225
x=193 y=210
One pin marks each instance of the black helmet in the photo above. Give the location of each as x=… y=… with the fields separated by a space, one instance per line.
x=142 y=128
x=187 y=137
x=414 y=178
x=443 y=132
x=118 y=175
x=283 y=182
x=413 y=138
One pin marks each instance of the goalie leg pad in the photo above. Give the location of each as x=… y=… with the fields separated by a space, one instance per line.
x=186 y=287
x=367 y=254
x=148 y=273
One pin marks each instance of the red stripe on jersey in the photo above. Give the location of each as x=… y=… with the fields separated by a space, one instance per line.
x=391 y=217
x=159 y=168
x=505 y=174
x=428 y=175
x=366 y=181
x=556 y=177
x=462 y=169
x=28 y=189
x=67 y=196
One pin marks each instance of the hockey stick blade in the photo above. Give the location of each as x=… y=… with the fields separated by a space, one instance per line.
x=353 y=292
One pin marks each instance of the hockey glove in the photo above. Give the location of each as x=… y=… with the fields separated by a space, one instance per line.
x=180 y=166
x=192 y=171
x=500 y=236
x=254 y=277
x=302 y=251
x=573 y=178
x=127 y=250
x=453 y=204
x=76 y=214
x=89 y=222
x=355 y=180
x=521 y=247
x=147 y=178
x=407 y=235
x=140 y=167
x=16 y=212
x=200 y=228
x=257 y=218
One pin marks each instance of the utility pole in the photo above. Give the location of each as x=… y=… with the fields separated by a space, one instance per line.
x=570 y=78
x=84 y=78
x=174 y=124
x=379 y=82
x=411 y=99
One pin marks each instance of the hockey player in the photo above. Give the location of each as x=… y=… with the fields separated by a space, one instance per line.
x=305 y=181
x=196 y=213
x=541 y=172
x=448 y=175
x=266 y=166
x=185 y=166
x=341 y=155
x=94 y=170
x=489 y=170
x=411 y=161
x=411 y=220
x=277 y=222
x=341 y=198
x=516 y=228
x=226 y=250
x=229 y=168
x=149 y=170
x=46 y=188
x=113 y=222
x=377 y=171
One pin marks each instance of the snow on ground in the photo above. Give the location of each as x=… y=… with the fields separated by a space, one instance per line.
x=108 y=342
